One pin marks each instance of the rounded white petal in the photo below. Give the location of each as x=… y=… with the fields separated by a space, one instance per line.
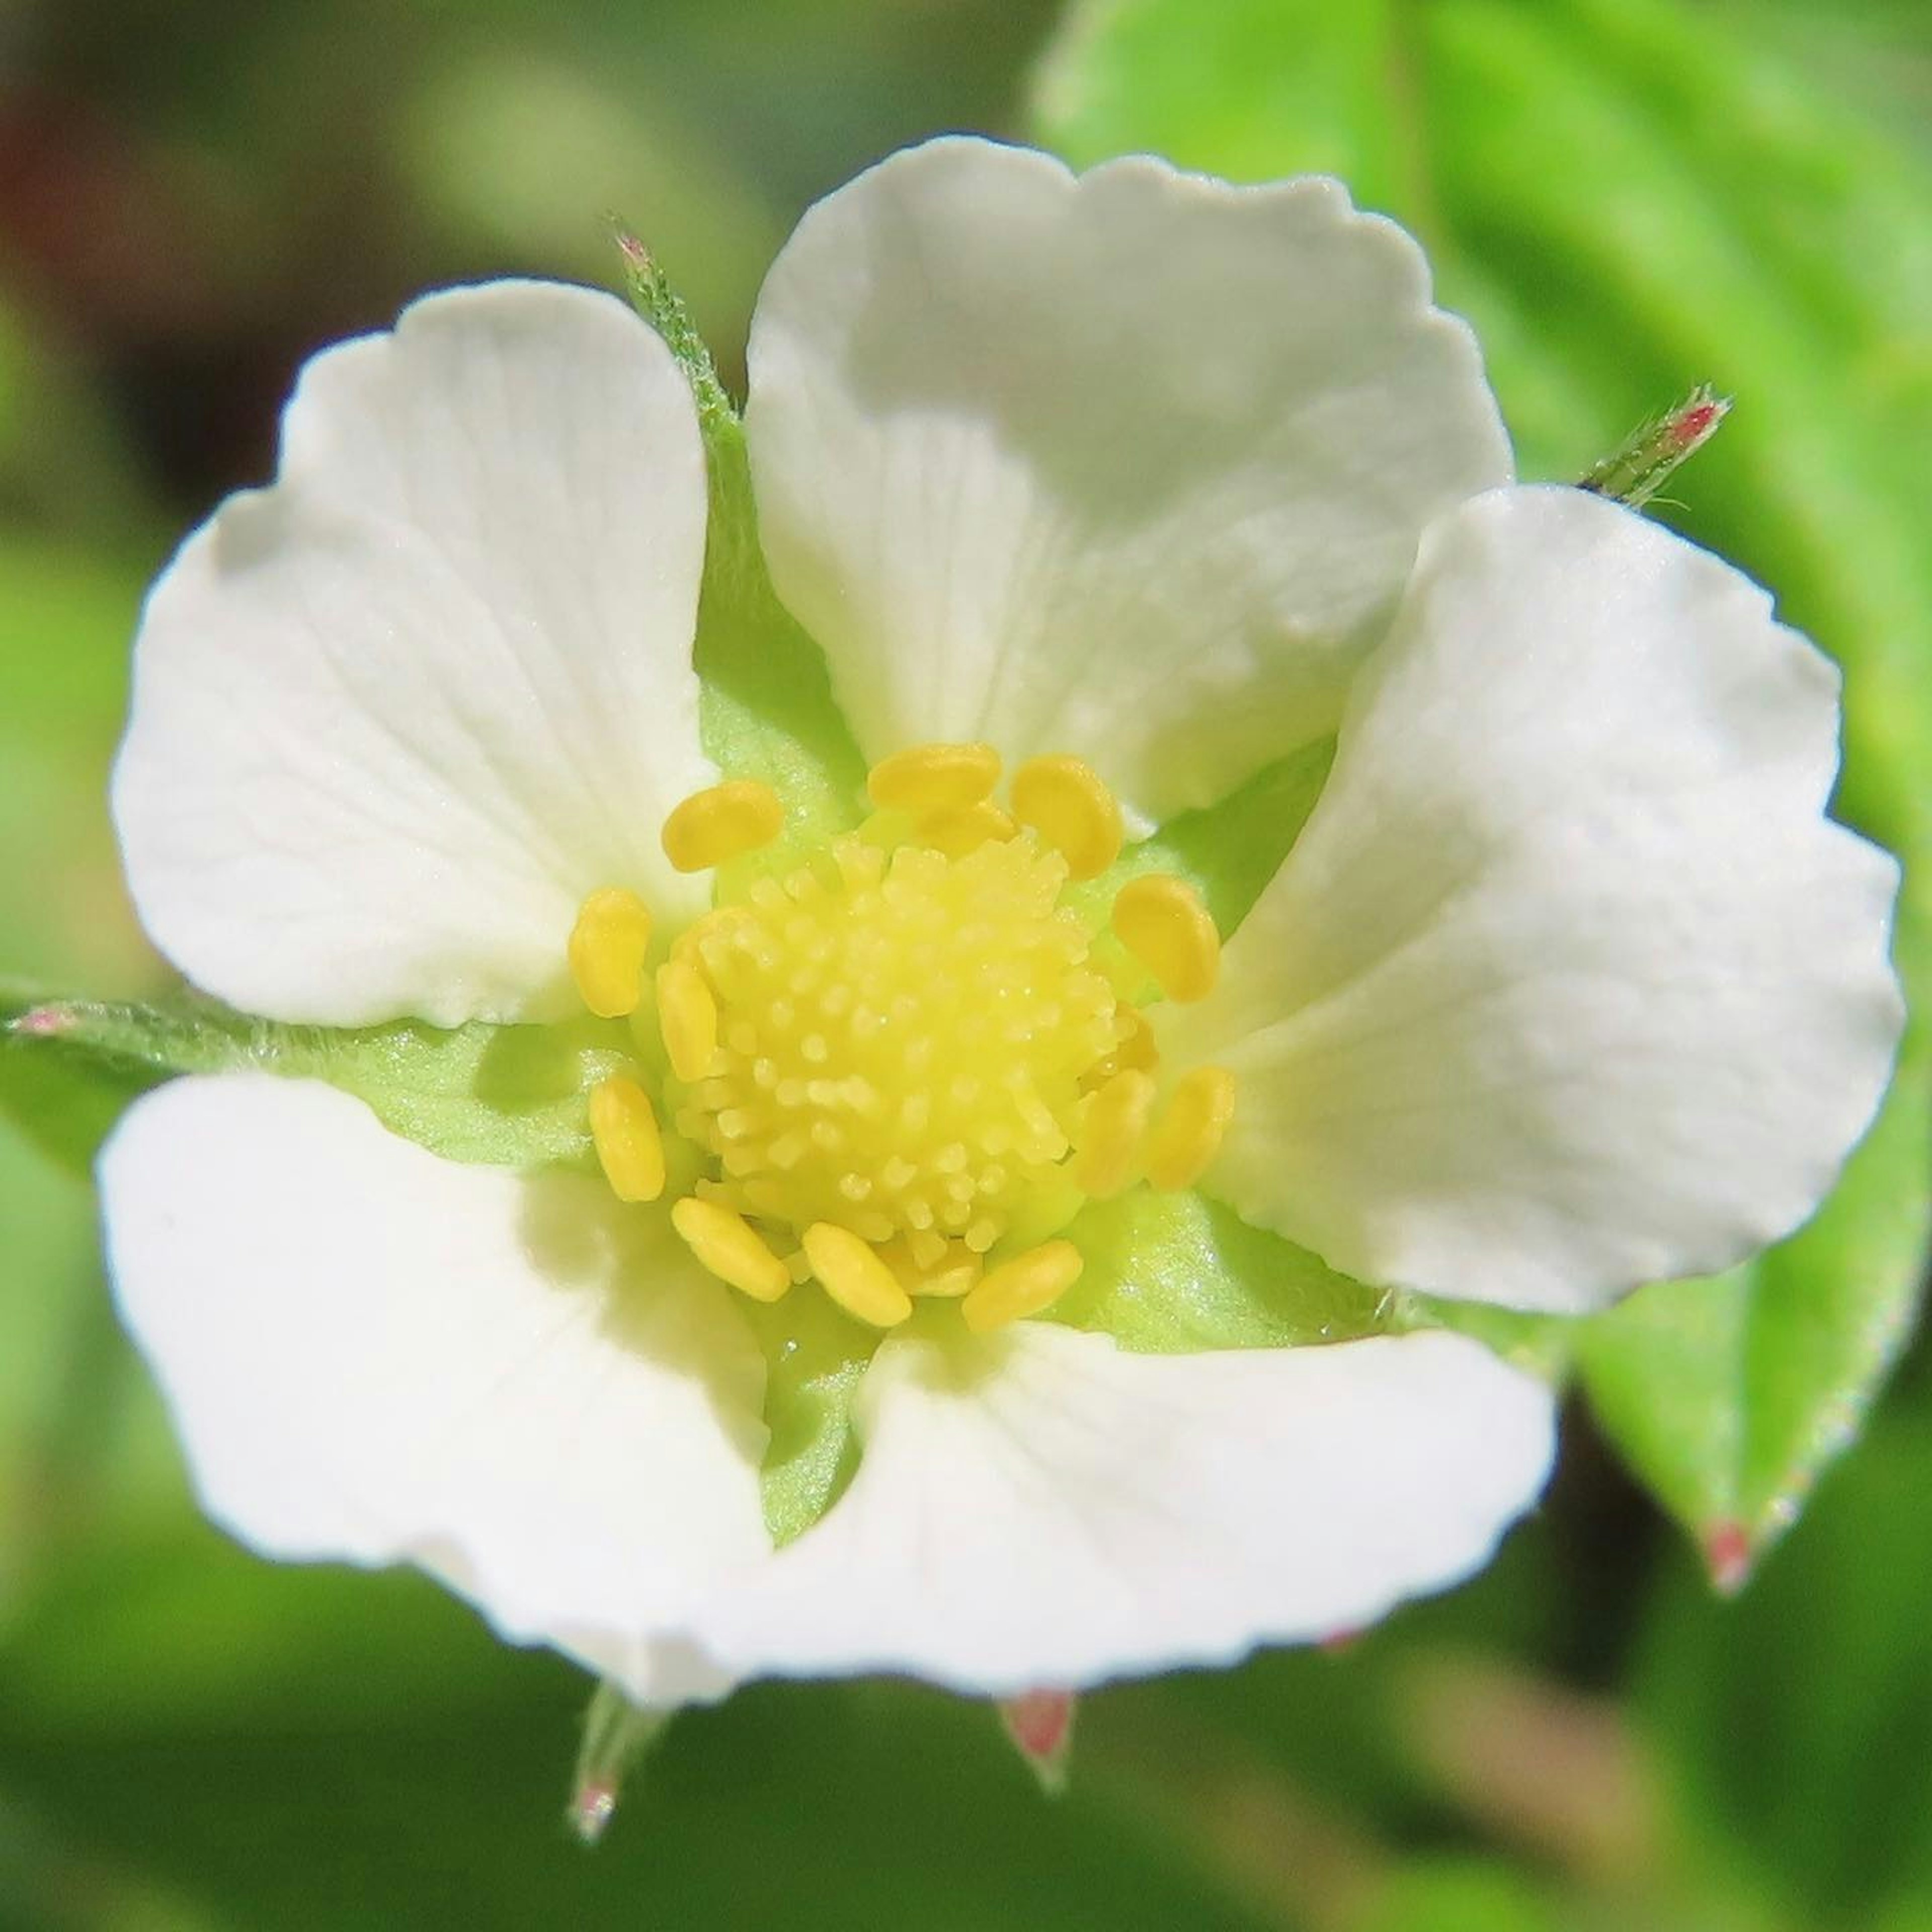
x=373 y=1354
x=1568 y=984
x=394 y=716
x=1130 y=465
x=1043 y=1508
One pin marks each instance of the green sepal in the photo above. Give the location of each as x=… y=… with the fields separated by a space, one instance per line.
x=766 y=710
x=1650 y=455
x=498 y=1096
x=1227 y=851
x=1176 y=1274
x=815 y=1358
x=618 y=1735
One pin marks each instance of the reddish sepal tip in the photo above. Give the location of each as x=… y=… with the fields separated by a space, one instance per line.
x=1727 y=1556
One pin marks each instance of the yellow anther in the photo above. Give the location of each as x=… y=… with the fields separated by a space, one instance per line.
x=854 y=1275
x=624 y=1130
x=1111 y=1136
x=1065 y=802
x=608 y=945
x=688 y=1017
x=727 y=1245
x=1189 y=1133
x=724 y=823
x=927 y=778
x=958 y=829
x=1022 y=1286
x=1161 y=921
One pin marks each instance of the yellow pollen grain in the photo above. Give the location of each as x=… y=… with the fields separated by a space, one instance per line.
x=607 y=949
x=688 y=1017
x=1161 y=921
x=624 y=1130
x=1021 y=1287
x=1190 y=1132
x=927 y=778
x=724 y=822
x=854 y=1276
x=957 y=829
x=1111 y=1136
x=726 y=1244
x=1066 y=801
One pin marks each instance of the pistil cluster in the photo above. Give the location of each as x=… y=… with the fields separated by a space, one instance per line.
x=904 y=1064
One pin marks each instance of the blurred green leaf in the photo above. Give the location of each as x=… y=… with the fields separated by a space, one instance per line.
x=432 y=1816
x=1798 y=1720
x=1625 y=197
x=1461 y=1894
x=502 y=1096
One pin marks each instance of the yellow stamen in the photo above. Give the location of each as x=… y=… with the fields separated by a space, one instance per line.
x=1065 y=802
x=1111 y=1136
x=926 y=778
x=725 y=1243
x=1161 y=921
x=723 y=823
x=957 y=829
x=854 y=1275
x=1189 y=1134
x=625 y=1131
x=607 y=949
x=1021 y=1287
x=688 y=1017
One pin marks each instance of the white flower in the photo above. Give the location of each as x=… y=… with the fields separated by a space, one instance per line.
x=1567 y=984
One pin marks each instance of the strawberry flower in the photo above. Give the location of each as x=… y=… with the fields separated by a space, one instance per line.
x=1258 y=830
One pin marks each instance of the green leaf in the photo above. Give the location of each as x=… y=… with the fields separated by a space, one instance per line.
x=1175 y=1274
x=500 y=1096
x=1798 y=1720
x=1624 y=196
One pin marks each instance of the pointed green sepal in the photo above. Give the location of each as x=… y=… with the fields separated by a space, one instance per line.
x=617 y=1734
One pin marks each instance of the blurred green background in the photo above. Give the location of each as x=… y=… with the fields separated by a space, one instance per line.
x=1627 y=200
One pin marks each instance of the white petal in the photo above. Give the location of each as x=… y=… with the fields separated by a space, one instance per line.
x=396 y=716
x=1568 y=984
x=373 y=1354
x=1129 y=465
x=1046 y=1509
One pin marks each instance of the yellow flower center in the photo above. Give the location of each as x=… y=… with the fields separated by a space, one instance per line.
x=906 y=1063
